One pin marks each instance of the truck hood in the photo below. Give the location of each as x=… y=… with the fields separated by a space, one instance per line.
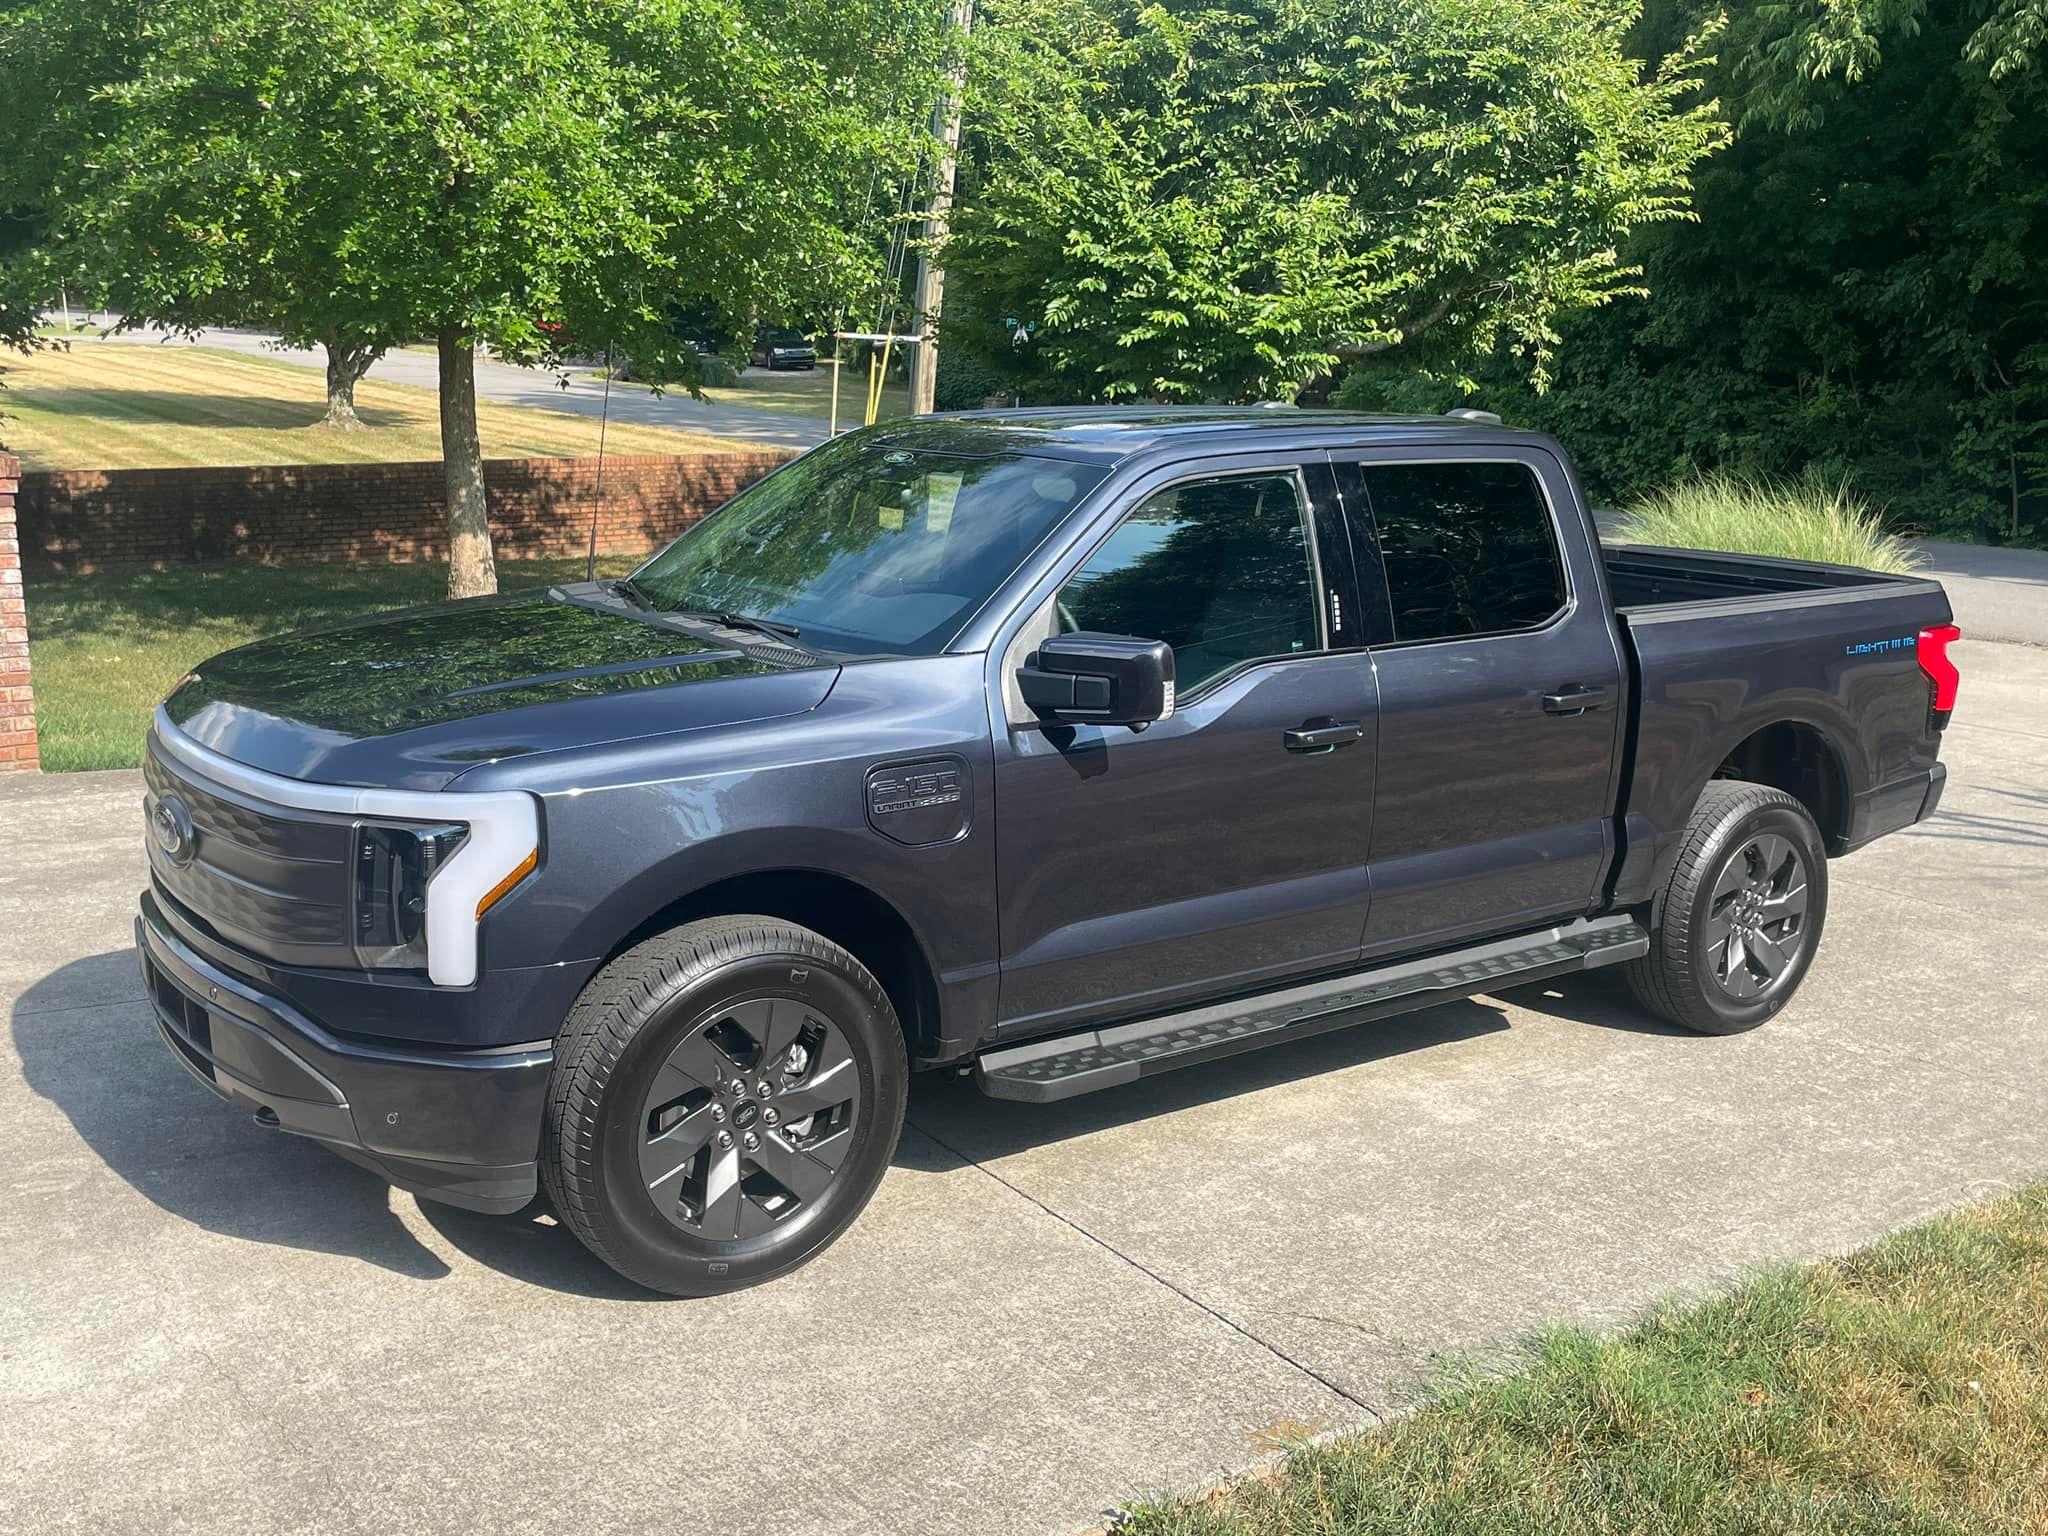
x=412 y=698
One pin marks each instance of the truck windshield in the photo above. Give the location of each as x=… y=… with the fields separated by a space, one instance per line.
x=867 y=547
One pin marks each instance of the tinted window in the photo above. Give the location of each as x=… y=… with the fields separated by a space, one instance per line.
x=1467 y=548
x=869 y=548
x=1218 y=569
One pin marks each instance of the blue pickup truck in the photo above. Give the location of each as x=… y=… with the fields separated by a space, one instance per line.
x=1059 y=747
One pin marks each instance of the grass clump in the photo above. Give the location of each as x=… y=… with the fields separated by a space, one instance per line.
x=1901 y=1389
x=103 y=649
x=1795 y=520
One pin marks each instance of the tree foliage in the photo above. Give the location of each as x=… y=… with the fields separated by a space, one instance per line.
x=518 y=173
x=1199 y=201
x=1865 y=296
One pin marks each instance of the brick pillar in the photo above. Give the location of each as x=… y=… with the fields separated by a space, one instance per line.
x=17 y=698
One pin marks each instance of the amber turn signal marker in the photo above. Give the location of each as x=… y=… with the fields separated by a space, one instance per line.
x=525 y=867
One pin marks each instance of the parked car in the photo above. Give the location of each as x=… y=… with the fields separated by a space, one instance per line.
x=783 y=349
x=1062 y=747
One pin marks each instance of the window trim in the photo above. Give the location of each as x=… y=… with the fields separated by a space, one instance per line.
x=1364 y=515
x=1292 y=469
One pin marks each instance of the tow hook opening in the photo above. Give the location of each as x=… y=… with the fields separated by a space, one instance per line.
x=267 y=1117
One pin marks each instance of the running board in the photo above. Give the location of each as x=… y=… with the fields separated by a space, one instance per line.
x=1065 y=1066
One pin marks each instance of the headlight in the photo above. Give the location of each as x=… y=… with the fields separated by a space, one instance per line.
x=420 y=889
x=394 y=865
x=428 y=864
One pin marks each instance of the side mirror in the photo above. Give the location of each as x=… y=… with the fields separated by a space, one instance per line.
x=1090 y=679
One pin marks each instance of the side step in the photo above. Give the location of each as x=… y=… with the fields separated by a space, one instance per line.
x=1065 y=1066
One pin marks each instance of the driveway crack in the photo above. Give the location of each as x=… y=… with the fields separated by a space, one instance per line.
x=1158 y=1279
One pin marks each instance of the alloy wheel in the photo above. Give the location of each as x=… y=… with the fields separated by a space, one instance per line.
x=746 y=1124
x=1756 y=919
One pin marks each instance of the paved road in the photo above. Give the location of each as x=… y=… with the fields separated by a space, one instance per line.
x=1997 y=594
x=512 y=385
x=208 y=1326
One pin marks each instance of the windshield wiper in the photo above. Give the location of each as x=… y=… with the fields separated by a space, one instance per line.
x=772 y=627
x=632 y=591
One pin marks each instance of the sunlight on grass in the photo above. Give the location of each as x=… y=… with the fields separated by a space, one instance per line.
x=1901 y=1389
x=809 y=393
x=103 y=649
x=118 y=405
x=1792 y=520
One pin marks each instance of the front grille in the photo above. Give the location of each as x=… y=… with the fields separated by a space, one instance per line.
x=264 y=878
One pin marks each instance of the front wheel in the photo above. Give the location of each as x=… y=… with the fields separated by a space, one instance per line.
x=725 y=1099
x=1741 y=915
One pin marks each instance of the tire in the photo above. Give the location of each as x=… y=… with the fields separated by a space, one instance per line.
x=671 y=1144
x=1742 y=913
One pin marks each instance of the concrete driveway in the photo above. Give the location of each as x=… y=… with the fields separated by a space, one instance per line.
x=207 y=1326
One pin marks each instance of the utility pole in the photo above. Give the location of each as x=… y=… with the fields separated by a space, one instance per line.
x=931 y=279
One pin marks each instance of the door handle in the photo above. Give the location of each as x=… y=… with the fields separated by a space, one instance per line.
x=1322 y=734
x=1574 y=699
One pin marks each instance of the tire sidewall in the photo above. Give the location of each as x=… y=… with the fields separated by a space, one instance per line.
x=646 y=1240
x=1789 y=821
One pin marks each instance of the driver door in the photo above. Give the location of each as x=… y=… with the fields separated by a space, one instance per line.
x=1218 y=849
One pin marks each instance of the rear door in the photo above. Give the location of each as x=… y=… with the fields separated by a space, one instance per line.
x=1220 y=848
x=1500 y=688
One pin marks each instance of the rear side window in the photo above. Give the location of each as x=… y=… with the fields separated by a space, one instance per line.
x=1221 y=570
x=1468 y=548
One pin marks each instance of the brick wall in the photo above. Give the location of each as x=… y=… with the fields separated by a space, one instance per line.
x=87 y=520
x=17 y=698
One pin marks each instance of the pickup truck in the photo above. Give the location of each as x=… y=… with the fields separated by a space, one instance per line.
x=1060 y=748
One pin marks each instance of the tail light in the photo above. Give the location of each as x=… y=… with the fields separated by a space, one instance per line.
x=1942 y=677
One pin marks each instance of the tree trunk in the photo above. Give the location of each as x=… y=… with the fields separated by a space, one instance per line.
x=471 y=571
x=931 y=280
x=347 y=362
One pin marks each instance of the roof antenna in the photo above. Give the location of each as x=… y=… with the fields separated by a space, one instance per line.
x=597 y=498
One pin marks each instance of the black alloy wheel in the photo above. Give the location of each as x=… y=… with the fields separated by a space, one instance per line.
x=1739 y=919
x=748 y=1121
x=724 y=1101
x=1756 y=922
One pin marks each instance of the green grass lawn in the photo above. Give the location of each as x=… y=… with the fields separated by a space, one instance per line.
x=115 y=405
x=1902 y=1390
x=800 y=393
x=103 y=649
x=803 y=393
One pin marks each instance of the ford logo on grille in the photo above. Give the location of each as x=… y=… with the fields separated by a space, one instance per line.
x=171 y=821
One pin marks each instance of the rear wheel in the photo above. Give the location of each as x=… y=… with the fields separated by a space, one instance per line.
x=725 y=1099
x=1741 y=915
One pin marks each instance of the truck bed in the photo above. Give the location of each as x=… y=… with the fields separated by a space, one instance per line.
x=1642 y=576
x=1723 y=646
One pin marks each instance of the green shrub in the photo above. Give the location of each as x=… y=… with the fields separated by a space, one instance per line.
x=1795 y=520
x=964 y=382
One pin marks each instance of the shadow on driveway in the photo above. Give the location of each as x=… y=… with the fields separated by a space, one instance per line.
x=102 y=1064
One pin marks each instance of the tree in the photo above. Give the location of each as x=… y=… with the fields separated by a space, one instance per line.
x=1198 y=201
x=526 y=174
x=1865 y=294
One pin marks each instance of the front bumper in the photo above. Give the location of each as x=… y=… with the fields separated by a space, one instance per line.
x=461 y=1127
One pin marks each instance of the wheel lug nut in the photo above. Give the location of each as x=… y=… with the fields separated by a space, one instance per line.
x=735 y=1085
x=725 y=1138
x=751 y=1141
x=764 y=1088
x=718 y=1111
x=771 y=1117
